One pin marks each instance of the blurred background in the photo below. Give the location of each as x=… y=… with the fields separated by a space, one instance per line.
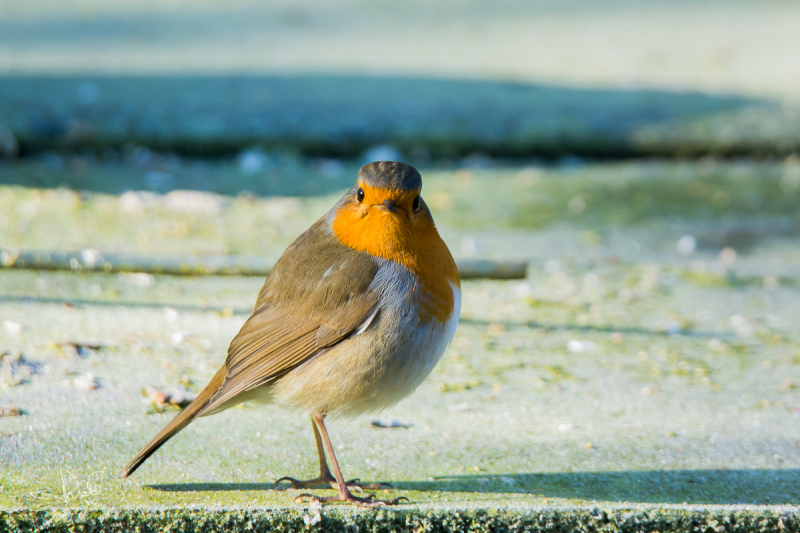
x=641 y=157
x=288 y=99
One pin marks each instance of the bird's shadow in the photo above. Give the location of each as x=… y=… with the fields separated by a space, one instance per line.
x=756 y=486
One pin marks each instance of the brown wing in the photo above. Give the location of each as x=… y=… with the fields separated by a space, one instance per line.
x=315 y=296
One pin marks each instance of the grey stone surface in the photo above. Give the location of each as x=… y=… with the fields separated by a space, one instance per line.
x=621 y=376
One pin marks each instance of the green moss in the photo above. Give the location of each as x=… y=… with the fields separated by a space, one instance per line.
x=705 y=278
x=588 y=520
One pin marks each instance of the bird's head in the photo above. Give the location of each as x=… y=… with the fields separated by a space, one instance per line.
x=383 y=213
x=385 y=216
x=386 y=192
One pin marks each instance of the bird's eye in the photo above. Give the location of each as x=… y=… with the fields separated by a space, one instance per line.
x=360 y=195
x=415 y=205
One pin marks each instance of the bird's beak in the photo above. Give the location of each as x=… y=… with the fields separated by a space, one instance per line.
x=389 y=204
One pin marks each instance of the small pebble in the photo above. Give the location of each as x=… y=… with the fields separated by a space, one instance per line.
x=551 y=266
x=9 y=410
x=12 y=327
x=86 y=382
x=686 y=245
x=727 y=255
x=193 y=202
x=496 y=329
x=85 y=349
x=89 y=257
x=179 y=397
x=253 y=161
x=576 y=205
x=141 y=279
x=137 y=201
x=389 y=423
x=469 y=245
x=458 y=408
x=158 y=396
x=716 y=345
x=577 y=346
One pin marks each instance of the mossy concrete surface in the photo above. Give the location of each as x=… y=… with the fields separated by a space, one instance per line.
x=645 y=376
x=151 y=203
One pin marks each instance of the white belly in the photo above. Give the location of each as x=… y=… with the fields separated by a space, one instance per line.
x=374 y=369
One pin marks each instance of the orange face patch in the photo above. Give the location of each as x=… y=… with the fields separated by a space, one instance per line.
x=399 y=234
x=374 y=196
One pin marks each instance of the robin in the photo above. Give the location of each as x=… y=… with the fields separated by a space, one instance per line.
x=352 y=318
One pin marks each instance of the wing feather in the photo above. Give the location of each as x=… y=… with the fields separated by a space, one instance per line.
x=294 y=322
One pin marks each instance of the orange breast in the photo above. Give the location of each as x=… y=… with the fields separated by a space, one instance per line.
x=414 y=244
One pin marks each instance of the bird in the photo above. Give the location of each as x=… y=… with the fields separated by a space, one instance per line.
x=351 y=319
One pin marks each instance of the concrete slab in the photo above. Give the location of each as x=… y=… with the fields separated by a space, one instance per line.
x=621 y=378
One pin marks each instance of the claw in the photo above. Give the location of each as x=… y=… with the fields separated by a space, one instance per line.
x=354 y=484
x=296 y=483
x=367 y=501
x=300 y=484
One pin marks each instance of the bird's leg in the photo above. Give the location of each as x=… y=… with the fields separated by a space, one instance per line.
x=325 y=477
x=344 y=491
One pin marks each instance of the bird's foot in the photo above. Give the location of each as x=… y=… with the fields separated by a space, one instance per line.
x=368 y=501
x=328 y=479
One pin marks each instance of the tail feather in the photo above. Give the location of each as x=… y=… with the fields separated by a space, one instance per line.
x=183 y=419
